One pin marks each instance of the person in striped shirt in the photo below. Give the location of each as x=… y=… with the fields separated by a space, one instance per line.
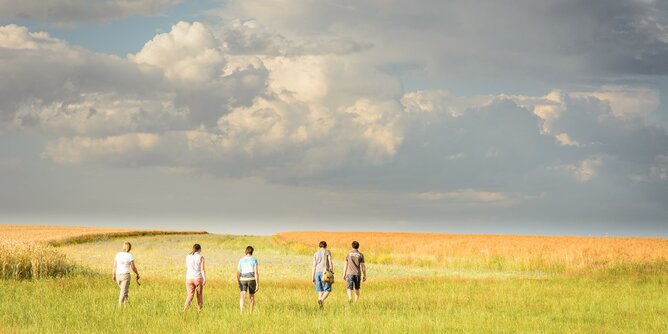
x=248 y=277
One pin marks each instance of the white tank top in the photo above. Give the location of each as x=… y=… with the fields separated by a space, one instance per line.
x=193 y=269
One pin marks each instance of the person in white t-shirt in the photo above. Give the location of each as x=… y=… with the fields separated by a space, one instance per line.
x=123 y=262
x=195 y=277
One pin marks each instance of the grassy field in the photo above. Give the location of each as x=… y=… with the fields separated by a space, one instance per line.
x=397 y=298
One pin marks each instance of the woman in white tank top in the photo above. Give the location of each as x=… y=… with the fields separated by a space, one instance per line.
x=195 y=277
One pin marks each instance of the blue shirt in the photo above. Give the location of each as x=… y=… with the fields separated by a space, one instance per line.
x=246 y=267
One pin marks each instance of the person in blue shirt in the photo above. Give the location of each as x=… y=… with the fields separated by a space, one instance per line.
x=248 y=276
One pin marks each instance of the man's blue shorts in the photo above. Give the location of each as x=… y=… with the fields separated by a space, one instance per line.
x=354 y=281
x=320 y=285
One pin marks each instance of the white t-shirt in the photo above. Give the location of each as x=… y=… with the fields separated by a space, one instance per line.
x=193 y=269
x=123 y=260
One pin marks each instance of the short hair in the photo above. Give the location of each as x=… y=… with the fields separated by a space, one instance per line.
x=249 y=250
x=322 y=244
x=196 y=248
x=356 y=245
x=127 y=246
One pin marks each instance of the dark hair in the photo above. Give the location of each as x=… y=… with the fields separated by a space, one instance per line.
x=249 y=250
x=196 y=248
x=356 y=245
x=322 y=244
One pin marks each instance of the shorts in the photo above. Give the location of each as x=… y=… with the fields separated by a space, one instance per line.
x=354 y=281
x=249 y=286
x=321 y=286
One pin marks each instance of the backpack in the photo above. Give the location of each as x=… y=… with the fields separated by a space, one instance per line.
x=328 y=274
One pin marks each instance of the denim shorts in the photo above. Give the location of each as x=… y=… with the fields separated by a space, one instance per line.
x=321 y=286
x=354 y=281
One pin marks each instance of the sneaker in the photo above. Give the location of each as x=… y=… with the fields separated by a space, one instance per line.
x=320 y=303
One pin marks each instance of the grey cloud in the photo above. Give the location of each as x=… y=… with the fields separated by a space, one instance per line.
x=80 y=10
x=253 y=38
x=550 y=41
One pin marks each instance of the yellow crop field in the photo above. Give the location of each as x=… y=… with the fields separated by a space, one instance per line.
x=500 y=251
x=66 y=234
x=26 y=251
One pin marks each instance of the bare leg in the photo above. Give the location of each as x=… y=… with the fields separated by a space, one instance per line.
x=357 y=295
x=325 y=294
x=350 y=295
x=242 y=297
x=252 y=303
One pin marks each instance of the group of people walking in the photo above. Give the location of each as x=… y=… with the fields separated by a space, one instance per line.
x=248 y=275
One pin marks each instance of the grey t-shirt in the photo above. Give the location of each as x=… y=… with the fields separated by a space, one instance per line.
x=354 y=261
x=319 y=259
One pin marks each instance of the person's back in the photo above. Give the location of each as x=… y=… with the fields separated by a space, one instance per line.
x=123 y=260
x=354 y=260
x=354 y=272
x=195 y=277
x=193 y=267
x=123 y=263
x=246 y=268
x=322 y=261
x=248 y=277
x=319 y=259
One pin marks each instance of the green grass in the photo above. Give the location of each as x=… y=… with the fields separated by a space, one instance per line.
x=395 y=299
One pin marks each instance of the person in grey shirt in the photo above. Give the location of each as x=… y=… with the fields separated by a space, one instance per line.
x=322 y=260
x=354 y=271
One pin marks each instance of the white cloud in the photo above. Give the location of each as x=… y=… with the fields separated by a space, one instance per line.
x=583 y=171
x=109 y=150
x=565 y=140
x=626 y=102
x=189 y=52
x=17 y=37
x=100 y=115
x=475 y=197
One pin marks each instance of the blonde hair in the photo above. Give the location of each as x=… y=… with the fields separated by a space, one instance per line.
x=127 y=246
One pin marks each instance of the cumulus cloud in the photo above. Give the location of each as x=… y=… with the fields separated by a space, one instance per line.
x=80 y=10
x=188 y=52
x=291 y=106
x=551 y=41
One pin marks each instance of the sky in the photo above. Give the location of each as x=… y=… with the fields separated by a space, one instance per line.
x=253 y=117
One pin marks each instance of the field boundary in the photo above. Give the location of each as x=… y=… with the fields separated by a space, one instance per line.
x=115 y=235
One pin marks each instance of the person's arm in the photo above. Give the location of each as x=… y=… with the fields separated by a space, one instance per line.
x=331 y=263
x=132 y=264
x=203 y=269
x=239 y=272
x=363 y=266
x=257 y=277
x=313 y=271
x=113 y=273
x=345 y=268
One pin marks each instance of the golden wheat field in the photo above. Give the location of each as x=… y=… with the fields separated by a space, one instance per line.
x=26 y=251
x=515 y=252
x=64 y=234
